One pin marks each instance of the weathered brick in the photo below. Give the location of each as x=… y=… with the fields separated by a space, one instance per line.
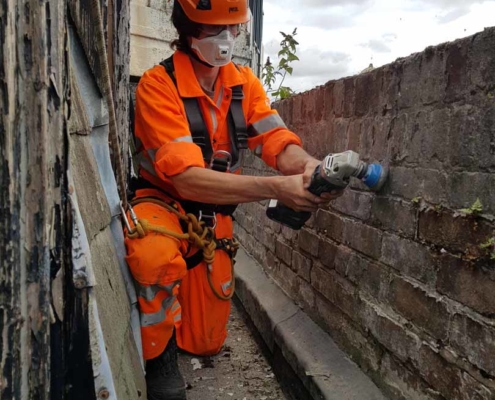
x=410 y=183
x=465 y=187
x=349 y=96
x=339 y=137
x=271 y=262
x=249 y=224
x=269 y=239
x=400 y=383
x=331 y=224
x=361 y=349
x=410 y=258
x=305 y=295
x=433 y=80
x=458 y=79
x=424 y=310
x=374 y=138
x=393 y=335
x=394 y=215
x=356 y=204
x=329 y=99
x=475 y=341
x=371 y=278
x=308 y=242
x=342 y=258
x=327 y=251
x=287 y=280
x=338 y=99
x=467 y=283
x=354 y=135
x=324 y=282
x=337 y=290
x=363 y=238
x=447 y=378
x=455 y=233
x=472 y=137
x=284 y=252
x=301 y=265
x=409 y=88
x=329 y=315
x=290 y=235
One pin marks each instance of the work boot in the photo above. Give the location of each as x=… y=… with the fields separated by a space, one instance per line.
x=163 y=378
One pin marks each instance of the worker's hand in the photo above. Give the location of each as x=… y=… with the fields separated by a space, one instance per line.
x=309 y=170
x=292 y=193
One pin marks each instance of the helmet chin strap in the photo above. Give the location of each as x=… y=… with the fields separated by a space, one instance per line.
x=193 y=54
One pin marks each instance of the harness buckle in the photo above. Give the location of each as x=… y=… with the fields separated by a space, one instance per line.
x=221 y=160
x=210 y=217
x=124 y=217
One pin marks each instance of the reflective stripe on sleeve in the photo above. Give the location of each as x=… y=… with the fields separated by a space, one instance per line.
x=267 y=124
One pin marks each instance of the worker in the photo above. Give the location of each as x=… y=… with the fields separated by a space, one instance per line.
x=196 y=114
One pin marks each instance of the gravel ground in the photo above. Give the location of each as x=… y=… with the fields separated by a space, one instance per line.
x=239 y=372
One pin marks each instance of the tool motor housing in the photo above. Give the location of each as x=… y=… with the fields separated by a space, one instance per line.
x=333 y=173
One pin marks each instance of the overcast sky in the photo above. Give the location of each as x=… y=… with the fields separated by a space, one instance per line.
x=342 y=37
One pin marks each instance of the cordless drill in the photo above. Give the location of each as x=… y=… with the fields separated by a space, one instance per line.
x=333 y=173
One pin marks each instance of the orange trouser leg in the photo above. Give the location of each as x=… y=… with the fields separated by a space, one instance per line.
x=204 y=316
x=158 y=267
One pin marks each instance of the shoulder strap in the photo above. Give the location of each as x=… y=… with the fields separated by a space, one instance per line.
x=197 y=126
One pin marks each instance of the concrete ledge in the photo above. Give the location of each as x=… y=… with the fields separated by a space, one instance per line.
x=326 y=372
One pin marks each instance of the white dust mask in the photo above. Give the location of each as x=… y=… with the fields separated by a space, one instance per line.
x=215 y=50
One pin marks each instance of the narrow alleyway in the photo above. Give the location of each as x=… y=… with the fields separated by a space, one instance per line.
x=239 y=372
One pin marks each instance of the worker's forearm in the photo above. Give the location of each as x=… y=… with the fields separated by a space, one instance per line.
x=292 y=160
x=207 y=186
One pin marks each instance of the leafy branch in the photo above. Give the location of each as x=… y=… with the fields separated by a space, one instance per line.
x=287 y=55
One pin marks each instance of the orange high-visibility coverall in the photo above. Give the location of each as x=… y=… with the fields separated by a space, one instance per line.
x=168 y=294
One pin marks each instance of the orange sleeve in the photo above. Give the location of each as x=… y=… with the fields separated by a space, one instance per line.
x=161 y=126
x=268 y=134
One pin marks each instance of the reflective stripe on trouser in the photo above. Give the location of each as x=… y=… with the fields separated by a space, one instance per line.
x=157 y=265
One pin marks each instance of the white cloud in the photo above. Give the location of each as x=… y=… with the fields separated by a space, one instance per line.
x=340 y=38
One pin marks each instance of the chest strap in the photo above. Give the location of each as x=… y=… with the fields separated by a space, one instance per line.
x=236 y=122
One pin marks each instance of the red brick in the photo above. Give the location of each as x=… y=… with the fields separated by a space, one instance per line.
x=349 y=97
x=423 y=310
x=457 y=234
x=329 y=98
x=338 y=98
x=329 y=316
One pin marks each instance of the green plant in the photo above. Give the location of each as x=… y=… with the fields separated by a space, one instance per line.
x=489 y=246
x=416 y=200
x=475 y=209
x=287 y=55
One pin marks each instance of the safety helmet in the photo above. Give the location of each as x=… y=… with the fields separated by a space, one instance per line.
x=216 y=12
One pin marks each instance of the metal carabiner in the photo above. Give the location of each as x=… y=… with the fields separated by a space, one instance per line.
x=213 y=217
x=221 y=154
x=124 y=217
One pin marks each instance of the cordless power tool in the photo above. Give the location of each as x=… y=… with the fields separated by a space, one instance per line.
x=333 y=173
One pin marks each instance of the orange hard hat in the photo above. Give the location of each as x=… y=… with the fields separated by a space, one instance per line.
x=216 y=12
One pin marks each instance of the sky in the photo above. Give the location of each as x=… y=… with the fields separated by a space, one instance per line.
x=339 y=38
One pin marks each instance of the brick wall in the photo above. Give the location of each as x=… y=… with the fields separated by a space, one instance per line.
x=401 y=280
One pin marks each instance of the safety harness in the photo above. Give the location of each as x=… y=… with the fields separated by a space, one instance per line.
x=194 y=225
